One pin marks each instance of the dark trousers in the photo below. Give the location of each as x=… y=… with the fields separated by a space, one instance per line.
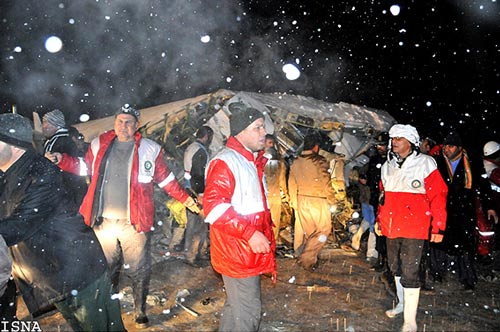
x=462 y=262
x=404 y=257
x=123 y=245
x=242 y=309
x=92 y=309
x=195 y=236
x=8 y=303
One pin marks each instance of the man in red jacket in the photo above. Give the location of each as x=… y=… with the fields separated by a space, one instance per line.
x=119 y=204
x=412 y=206
x=242 y=243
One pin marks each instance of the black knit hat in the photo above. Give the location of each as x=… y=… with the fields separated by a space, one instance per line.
x=242 y=116
x=127 y=109
x=382 y=138
x=453 y=139
x=16 y=130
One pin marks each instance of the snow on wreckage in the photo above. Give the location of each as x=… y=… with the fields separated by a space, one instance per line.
x=348 y=131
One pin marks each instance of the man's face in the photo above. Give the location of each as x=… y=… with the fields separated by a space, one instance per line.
x=48 y=129
x=451 y=151
x=425 y=146
x=125 y=127
x=381 y=149
x=401 y=146
x=5 y=155
x=269 y=143
x=254 y=136
x=207 y=139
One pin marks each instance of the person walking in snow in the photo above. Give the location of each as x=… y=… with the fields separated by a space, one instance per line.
x=412 y=206
x=58 y=139
x=242 y=244
x=56 y=258
x=491 y=162
x=367 y=223
x=196 y=159
x=372 y=172
x=466 y=188
x=119 y=204
x=275 y=175
x=311 y=196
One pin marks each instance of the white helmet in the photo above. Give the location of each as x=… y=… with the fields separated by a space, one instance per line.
x=490 y=148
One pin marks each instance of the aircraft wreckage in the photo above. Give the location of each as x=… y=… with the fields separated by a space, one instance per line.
x=348 y=130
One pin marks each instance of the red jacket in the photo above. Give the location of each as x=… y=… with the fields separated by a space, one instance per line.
x=148 y=167
x=235 y=205
x=414 y=198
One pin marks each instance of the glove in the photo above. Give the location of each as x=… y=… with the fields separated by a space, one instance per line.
x=191 y=205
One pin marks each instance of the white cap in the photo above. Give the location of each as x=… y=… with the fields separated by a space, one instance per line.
x=407 y=131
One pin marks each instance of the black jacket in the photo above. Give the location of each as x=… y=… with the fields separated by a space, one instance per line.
x=461 y=221
x=54 y=253
x=76 y=185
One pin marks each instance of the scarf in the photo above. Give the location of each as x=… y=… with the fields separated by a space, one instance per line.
x=468 y=173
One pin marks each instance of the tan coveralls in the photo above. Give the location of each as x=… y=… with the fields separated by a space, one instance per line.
x=311 y=195
x=275 y=173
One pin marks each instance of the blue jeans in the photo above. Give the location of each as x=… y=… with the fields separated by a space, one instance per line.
x=368 y=215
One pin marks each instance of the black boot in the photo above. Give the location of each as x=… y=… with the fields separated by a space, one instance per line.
x=380 y=264
x=140 y=290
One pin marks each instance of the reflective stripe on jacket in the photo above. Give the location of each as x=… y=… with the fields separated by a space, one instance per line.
x=235 y=206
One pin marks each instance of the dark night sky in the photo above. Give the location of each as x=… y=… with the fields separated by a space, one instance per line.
x=435 y=64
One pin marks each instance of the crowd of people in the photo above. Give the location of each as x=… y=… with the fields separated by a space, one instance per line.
x=428 y=209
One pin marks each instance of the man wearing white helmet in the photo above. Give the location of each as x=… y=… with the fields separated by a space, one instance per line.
x=412 y=206
x=491 y=162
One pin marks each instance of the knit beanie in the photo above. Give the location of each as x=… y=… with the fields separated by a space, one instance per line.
x=407 y=131
x=127 y=109
x=55 y=118
x=242 y=116
x=16 y=130
x=453 y=139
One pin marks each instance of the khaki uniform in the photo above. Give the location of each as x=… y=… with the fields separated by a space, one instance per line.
x=311 y=195
x=275 y=173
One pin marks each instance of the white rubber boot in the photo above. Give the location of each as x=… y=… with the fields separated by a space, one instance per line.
x=371 y=252
x=391 y=313
x=356 y=238
x=411 y=296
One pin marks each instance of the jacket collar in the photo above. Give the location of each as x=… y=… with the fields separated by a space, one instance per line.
x=234 y=144
x=110 y=135
x=395 y=161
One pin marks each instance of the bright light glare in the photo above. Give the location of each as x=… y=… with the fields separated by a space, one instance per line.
x=395 y=9
x=291 y=71
x=205 y=39
x=53 y=44
x=84 y=117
